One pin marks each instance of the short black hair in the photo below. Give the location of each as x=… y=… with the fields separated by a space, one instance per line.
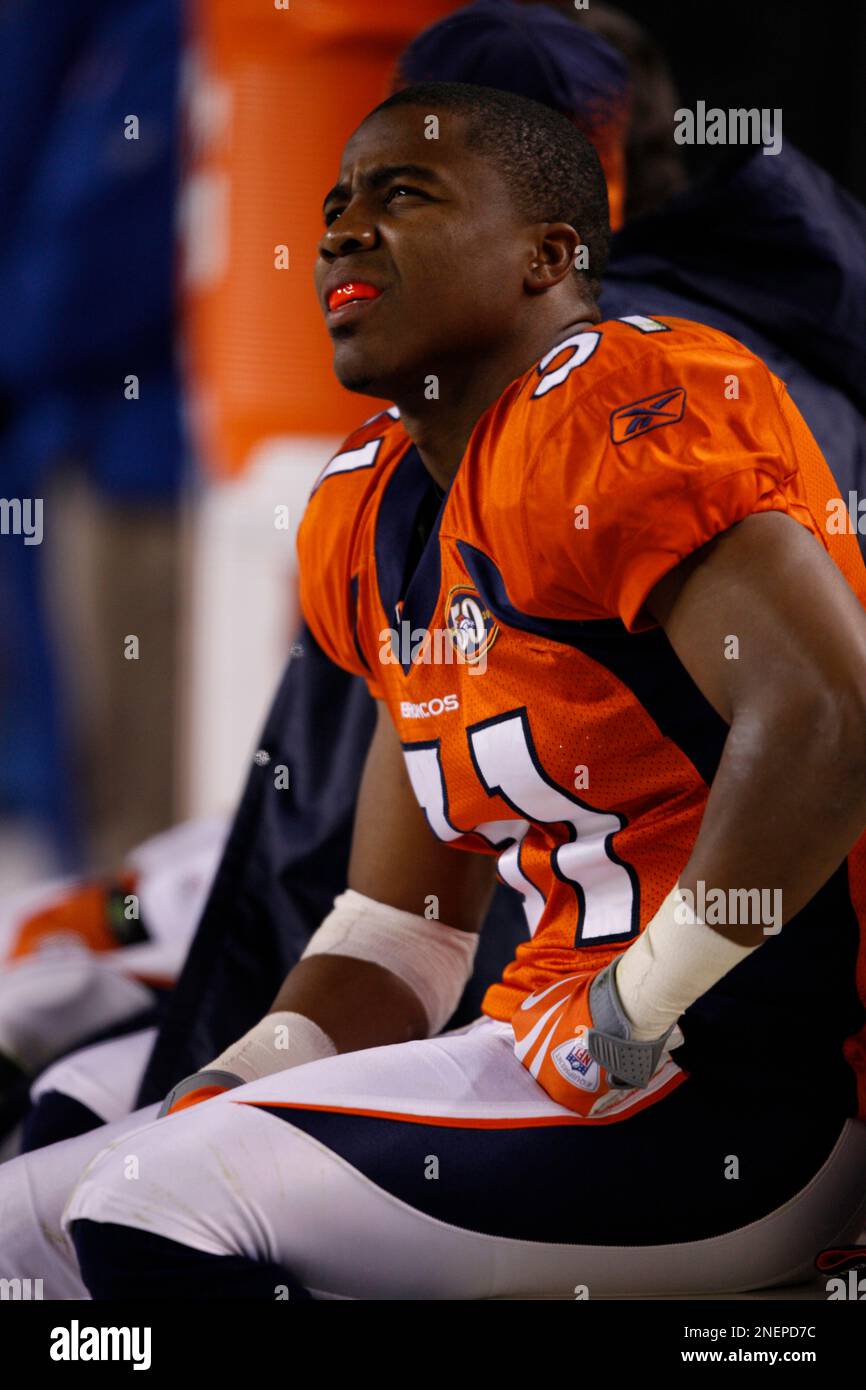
x=549 y=166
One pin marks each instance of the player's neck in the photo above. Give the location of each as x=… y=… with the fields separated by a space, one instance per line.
x=441 y=428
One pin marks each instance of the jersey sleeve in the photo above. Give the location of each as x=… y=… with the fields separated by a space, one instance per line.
x=329 y=577
x=660 y=457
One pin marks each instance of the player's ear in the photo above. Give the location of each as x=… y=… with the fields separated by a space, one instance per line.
x=554 y=254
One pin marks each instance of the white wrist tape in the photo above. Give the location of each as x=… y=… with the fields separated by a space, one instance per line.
x=434 y=960
x=276 y=1043
x=672 y=963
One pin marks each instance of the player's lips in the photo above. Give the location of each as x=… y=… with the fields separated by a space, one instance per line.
x=349 y=298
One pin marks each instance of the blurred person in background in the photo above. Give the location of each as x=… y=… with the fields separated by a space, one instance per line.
x=90 y=422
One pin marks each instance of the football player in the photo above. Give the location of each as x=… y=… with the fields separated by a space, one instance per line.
x=583 y=569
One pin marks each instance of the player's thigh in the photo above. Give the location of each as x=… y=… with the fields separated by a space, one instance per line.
x=34 y=1189
x=429 y=1169
x=235 y=1175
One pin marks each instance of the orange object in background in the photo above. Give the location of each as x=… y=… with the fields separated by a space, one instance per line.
x=610 y=146
x=273 y=94
x=83 y=913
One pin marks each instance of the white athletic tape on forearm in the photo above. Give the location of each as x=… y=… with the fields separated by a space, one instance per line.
x=276 y=1043
x=672 y=964
x=434 y=960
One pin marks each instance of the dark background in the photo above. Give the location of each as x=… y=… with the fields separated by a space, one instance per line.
x=806 y=57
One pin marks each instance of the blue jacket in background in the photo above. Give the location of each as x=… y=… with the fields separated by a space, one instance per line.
x=86 y=299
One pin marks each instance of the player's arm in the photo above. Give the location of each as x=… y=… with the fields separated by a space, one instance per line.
x=397 y=861
x=789 y=798
x=786 y=805
x=381 y=970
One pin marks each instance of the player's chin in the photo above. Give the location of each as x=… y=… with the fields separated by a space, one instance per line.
x=358 y=371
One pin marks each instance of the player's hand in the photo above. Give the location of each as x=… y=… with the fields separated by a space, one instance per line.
x=576 y=1041
x=202 y=1085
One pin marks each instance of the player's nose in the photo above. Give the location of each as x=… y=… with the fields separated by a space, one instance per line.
x=350 y=232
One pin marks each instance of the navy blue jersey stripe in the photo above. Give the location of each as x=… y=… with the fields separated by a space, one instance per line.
x=409 y=486
x=645 y=662
x=353 y=594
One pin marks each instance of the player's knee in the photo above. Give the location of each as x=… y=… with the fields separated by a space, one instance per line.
x=175 y=1178
x=110 y=1257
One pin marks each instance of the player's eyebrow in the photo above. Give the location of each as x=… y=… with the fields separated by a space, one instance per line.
x=384 y=173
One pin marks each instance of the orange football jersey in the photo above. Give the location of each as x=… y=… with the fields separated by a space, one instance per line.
x=543 y=714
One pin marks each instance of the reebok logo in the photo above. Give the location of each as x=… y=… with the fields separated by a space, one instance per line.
x=664 y=408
